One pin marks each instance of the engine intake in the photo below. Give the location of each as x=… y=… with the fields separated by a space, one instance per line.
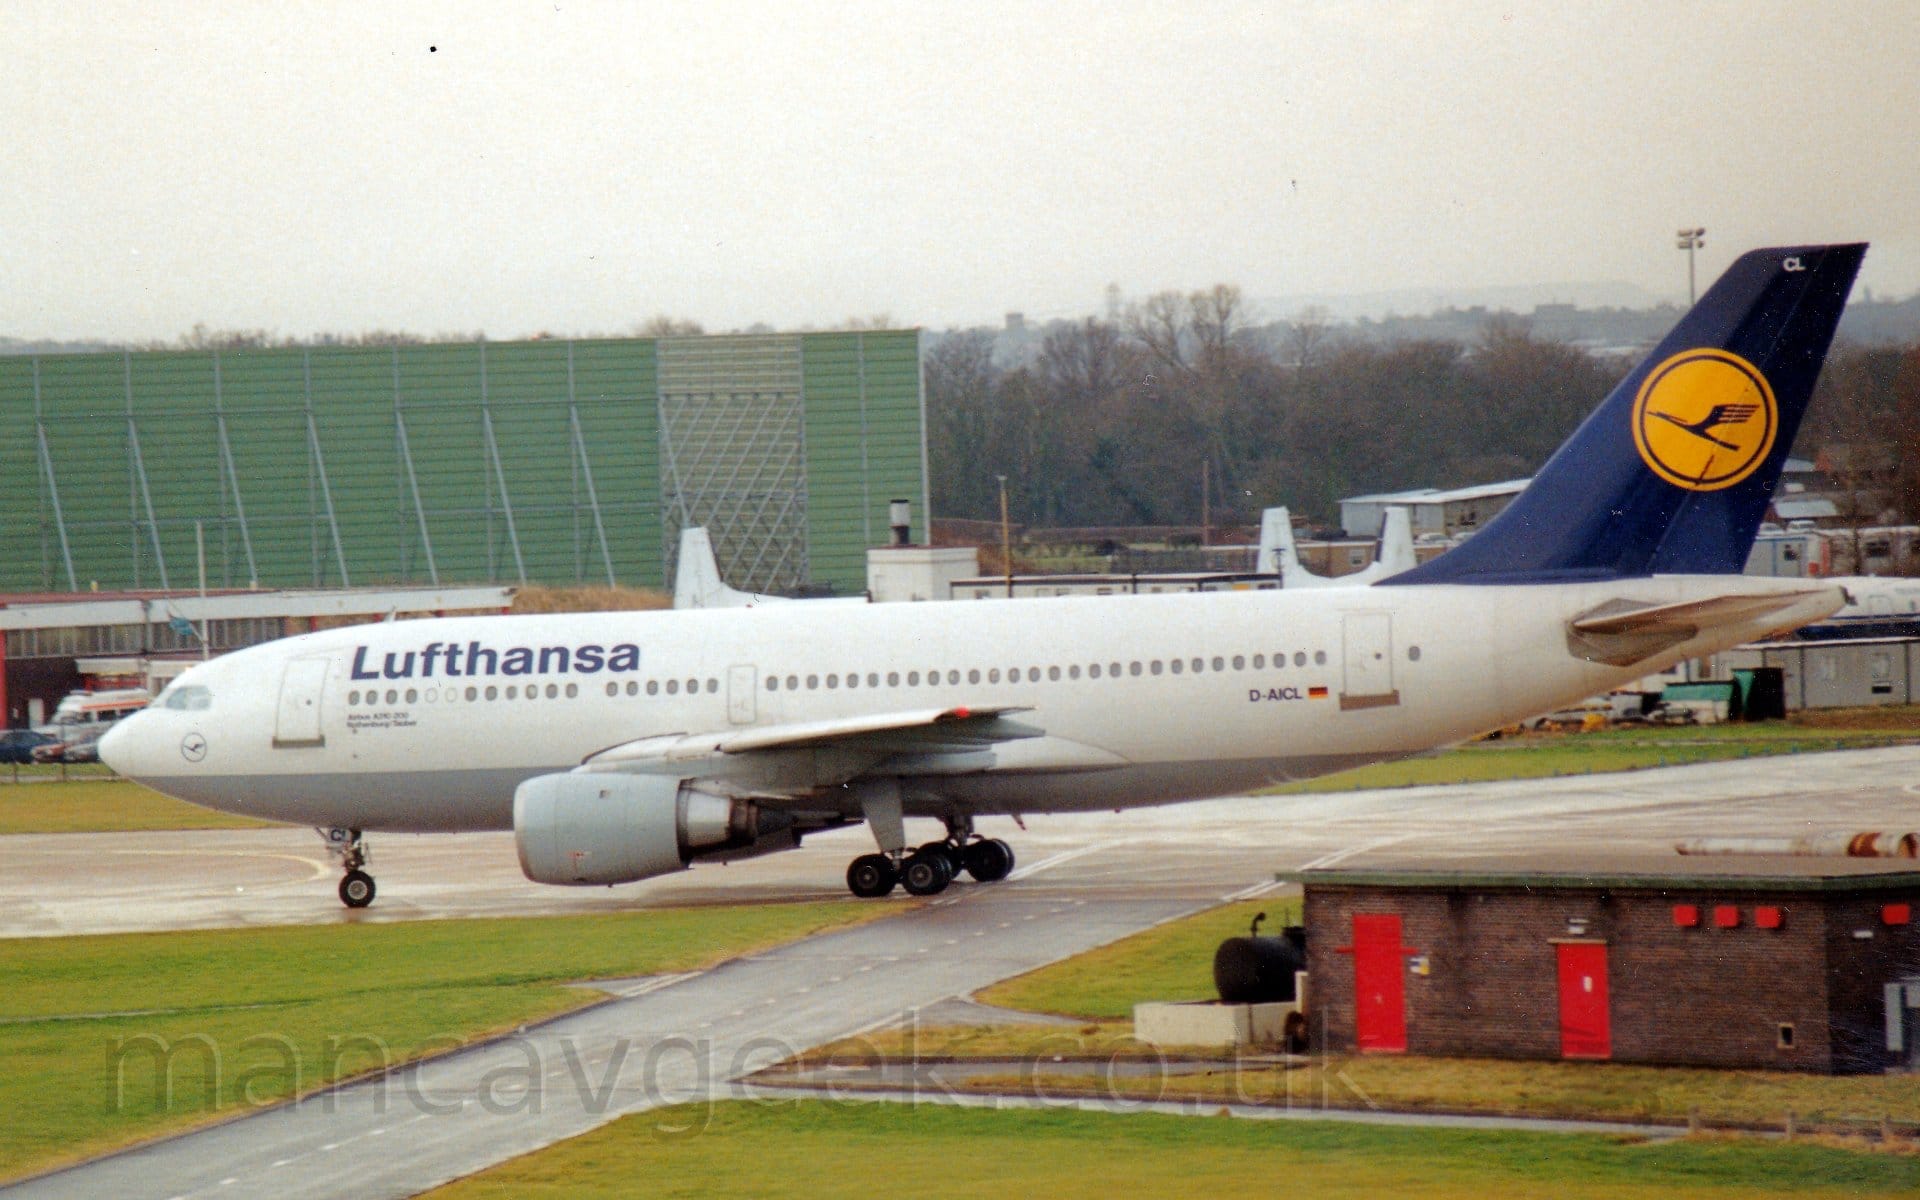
x=602 y=829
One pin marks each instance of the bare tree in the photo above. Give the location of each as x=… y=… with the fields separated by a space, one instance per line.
x=965 y=423
x=1307 y=336
x=868 y=323
x=1159 y=323
x=1216 y=317
x=665 y=326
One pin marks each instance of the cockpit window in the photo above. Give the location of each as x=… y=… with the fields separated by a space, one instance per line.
x=193 y=699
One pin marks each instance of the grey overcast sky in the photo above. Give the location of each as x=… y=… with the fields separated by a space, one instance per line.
x=578 y=167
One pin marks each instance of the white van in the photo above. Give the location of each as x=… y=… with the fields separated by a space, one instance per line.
x=79 y=710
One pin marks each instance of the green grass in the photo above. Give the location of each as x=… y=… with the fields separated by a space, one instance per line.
x=102 y=804
x=1546 y=755
x=82 y=1019
x=1168 y=962
x=826 y=1149
x=1175 y=961
x=1576 y=1091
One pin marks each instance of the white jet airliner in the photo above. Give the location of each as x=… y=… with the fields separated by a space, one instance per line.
x=620 y=746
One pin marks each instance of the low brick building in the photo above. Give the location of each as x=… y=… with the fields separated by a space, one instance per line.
x=1804 y=964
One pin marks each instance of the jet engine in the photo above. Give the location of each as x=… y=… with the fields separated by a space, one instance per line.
x=601 y=829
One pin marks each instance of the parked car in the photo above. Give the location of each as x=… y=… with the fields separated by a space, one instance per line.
x=17 y=745
x=83 y=750
x=83 y=745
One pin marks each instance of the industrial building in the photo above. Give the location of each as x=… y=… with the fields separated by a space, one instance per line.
x=1799 y=964
x=1435 y=513
x=546 y=461
x=1850 y=673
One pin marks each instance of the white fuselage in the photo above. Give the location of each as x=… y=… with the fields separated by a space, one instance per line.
x=1142 y=700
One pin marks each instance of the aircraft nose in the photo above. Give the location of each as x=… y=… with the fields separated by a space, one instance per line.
x=117 y=746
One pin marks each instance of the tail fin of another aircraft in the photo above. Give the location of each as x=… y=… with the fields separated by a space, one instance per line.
x=1396 y=542
x=697 y=582
x=1673 y=472
x=1277 y=555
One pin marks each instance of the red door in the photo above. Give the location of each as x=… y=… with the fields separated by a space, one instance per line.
x=1585 y=1027
x=1379 y=984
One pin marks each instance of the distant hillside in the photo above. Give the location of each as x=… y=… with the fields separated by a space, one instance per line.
x=22 y=346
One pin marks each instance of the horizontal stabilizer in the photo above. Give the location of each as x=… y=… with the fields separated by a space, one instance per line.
x=1624 y=632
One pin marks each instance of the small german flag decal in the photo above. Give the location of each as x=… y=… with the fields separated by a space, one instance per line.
x=1316 y=693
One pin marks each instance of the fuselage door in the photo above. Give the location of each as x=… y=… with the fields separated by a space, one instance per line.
x=297 y=720
x=740 y=701
x=1368 y=641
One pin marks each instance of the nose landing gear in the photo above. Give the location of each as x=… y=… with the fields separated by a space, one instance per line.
x=356 y=886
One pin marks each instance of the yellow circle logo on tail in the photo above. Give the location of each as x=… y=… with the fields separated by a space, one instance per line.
x=1705 y=419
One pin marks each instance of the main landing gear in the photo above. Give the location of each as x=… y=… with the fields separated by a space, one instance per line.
x=356 y=886
x=928 y=870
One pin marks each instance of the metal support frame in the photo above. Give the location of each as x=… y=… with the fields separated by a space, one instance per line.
x=506 y=502
x=413 y=487
x=584 y=465
x=318 y=461
x=734 y=461
x=499 y=477
x=138 y=468
x=926 y=477
x=866 y=468
x=53 y=486
x=404 y=449
x=232 y=481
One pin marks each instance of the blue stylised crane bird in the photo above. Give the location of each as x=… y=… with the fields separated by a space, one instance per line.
x=1719 y=414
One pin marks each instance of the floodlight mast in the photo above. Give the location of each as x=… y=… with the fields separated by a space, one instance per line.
x=1691 y=240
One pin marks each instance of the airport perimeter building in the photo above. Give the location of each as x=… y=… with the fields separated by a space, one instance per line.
x=548 y=461
x=1737 y=962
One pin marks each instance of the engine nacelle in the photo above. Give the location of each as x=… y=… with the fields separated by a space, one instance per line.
x=600 y=829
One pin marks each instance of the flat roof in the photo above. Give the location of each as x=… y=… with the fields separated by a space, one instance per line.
x=1755 y=872
x=61 y=610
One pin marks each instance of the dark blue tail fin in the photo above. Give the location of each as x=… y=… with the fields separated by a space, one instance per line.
x=1672 y=474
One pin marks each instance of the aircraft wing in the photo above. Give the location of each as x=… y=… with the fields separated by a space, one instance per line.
x=868 y=738
x=802 y=756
